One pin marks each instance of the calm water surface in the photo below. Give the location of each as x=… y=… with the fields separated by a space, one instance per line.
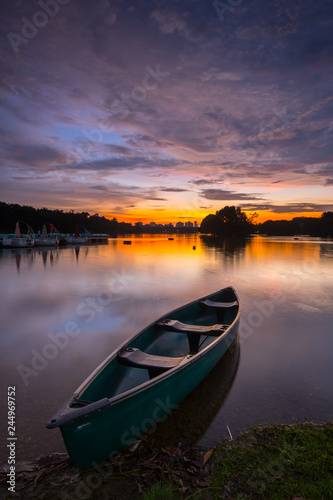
x=280 y=370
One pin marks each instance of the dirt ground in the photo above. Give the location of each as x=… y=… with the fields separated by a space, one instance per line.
x=123 y=478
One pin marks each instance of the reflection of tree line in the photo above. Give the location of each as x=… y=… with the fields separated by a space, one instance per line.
x=326 y=250
x=228 y=245
x=192 y=418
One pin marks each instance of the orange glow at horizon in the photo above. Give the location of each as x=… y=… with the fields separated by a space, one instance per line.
x=169 y=216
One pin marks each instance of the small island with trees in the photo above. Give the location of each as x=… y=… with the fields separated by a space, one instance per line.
x=231 y=221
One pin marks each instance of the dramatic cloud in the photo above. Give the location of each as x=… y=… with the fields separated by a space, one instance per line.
x=101 y=98
x=174 y=190
x=223 y=195
x=291 y=207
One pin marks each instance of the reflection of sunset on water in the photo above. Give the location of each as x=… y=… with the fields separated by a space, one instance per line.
x=102 y=294
x=282 y=248
x=148 y=244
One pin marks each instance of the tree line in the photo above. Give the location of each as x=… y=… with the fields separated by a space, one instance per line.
x=228 y=221
x=231 y=221
x=64 y=222
x=312 y=226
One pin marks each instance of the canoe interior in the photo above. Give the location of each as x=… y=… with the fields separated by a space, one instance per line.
x=113 y=378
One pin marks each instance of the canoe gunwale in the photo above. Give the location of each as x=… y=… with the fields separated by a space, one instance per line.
x=67 y=414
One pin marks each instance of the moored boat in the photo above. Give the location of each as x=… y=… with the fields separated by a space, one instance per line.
x=146 y=377
x=19 y=241
x=77 y=238
x=45 y=240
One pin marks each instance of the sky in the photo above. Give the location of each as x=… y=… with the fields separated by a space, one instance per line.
x=163 y=111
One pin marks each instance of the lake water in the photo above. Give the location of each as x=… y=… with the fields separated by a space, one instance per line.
x=63 y=311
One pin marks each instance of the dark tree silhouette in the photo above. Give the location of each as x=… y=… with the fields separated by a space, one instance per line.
x=327 y=224
x=312 y=226
x=228 y=221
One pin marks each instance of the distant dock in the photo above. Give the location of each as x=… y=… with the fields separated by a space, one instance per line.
x=97 y=238
x=91 y=238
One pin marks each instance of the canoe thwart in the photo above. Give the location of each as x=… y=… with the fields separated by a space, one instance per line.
x=222 y=308
x=130 y=356
x=174 y=325
x=218 y=305
x=193 y=331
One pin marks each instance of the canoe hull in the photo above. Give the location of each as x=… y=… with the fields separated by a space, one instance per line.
x=104 y=433
x=93 y=436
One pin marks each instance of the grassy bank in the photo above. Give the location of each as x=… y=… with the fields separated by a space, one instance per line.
x=277 y=463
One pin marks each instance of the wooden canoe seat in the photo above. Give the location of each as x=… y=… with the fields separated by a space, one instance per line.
x=221 y=308
x=130 y=356
x=193 y=331
x=174 y=325
x=218 y=305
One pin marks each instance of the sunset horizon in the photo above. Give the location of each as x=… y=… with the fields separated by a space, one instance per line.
x=173 y=219
x=174 y=216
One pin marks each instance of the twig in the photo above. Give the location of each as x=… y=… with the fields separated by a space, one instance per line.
x=231 y=438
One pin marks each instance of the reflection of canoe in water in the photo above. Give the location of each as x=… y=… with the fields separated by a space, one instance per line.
x=191 y=420
x=147 y=377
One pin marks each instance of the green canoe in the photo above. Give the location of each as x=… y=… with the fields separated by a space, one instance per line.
x=146 y=378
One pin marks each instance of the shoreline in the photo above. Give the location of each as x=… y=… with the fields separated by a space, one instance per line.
x=187 y=469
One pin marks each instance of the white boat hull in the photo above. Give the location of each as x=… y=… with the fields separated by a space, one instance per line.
x=46 y=242
x=18 y=242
